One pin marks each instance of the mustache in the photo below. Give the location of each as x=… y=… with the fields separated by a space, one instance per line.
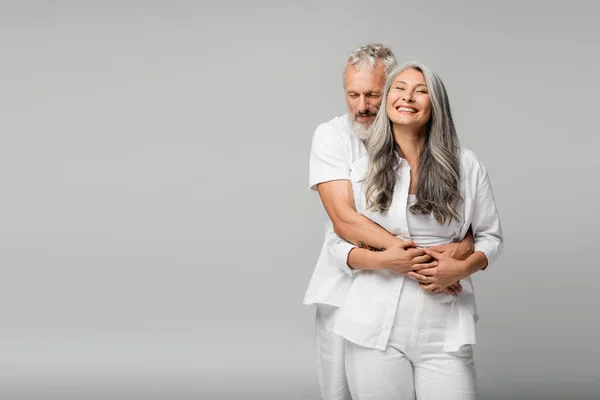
x=365 y=114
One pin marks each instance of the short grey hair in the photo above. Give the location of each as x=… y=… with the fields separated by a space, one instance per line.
x=367 y=56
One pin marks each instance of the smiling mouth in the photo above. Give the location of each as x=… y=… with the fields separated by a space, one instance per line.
x=406 y=109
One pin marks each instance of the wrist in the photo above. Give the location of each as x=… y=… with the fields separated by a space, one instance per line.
x=473 y=263
x=380 y=260
x=466 y=269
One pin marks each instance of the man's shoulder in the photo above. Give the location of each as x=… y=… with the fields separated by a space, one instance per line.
x=337 y=125
x=338 y=128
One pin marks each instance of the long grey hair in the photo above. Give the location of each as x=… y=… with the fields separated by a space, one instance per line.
x=438 y=165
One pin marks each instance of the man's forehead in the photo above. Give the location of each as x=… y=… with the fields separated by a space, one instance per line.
x=364 y=76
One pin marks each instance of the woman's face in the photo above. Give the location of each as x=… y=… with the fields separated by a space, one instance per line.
x=408 y=102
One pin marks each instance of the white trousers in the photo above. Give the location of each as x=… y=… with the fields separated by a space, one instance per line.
x=330 y=356
x=414 y=365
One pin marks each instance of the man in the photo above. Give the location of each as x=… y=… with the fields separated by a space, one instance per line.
x=337 y=144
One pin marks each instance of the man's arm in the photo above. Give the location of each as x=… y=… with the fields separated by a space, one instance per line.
x=338 y=200
x=461 y=250
x=330 y=176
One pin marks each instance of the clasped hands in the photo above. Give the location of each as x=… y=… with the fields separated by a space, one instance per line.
x=437 y=269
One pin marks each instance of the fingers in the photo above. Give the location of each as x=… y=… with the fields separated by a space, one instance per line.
x=423 y=275
x=434 y=288
x=450 y=291
x=421 y=259
x=432 y=253
x=454 y=289
x=427 y=286
x=422 y=266
x=427 y=271
x=416 y=253
x=419 y=277
x=439 y=248
x=407 y=244
x=457 y=287
x=431 y=288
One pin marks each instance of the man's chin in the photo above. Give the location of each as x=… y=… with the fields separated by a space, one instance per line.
x=360 y=129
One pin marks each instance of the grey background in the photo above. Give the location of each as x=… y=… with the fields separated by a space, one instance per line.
x=156 y=230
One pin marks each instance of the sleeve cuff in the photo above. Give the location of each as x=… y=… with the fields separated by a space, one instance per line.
x=327 y=178
x=339 y=252
x=491 y=251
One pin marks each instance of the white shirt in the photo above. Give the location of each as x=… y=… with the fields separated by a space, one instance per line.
x=367 y=315
x=334 y=149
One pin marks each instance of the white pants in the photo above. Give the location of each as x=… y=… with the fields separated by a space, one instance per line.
x=414 y=364
x=330 y=356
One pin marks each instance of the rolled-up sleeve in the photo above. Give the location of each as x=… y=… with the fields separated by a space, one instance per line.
x=485 y=222
x=328 y=156
x=338 y=252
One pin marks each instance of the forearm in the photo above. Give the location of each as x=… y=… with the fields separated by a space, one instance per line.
x=475 y=262
x=363 y=259
x=362 y=232
x=465 y=247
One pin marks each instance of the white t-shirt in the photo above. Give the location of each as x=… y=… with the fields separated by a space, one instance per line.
x=424 y=230
x=334 y=149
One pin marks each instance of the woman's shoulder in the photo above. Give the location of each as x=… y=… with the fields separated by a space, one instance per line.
x=468 y=157
x=469 y=161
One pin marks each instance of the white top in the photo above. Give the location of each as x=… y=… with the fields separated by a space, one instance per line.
x=367 y=315
x=424 y=229
x=334 y=149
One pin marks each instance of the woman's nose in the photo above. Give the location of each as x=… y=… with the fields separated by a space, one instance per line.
x=408 y=97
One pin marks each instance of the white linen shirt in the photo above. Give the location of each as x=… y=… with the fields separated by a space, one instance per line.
x=334 y=149
x=367 y=315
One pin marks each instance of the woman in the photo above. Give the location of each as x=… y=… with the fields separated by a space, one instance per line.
x=406 y=337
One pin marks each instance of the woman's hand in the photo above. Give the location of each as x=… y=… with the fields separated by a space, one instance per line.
x=445 y=272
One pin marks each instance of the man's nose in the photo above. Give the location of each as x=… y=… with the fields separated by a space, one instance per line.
x=362 y=103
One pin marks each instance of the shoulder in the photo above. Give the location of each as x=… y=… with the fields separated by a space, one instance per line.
x=469 y=161
x=472 y=169
x=335 y=129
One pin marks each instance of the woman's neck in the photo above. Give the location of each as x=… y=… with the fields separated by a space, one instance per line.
x=410 y=142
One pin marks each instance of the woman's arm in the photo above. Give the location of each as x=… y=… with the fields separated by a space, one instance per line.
x=488 y=240
x=399 y=258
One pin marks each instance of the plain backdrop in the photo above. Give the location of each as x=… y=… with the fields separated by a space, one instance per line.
x=156 y=228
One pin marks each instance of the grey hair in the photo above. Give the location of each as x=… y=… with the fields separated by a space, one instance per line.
x=367 y=56
x=438 y=165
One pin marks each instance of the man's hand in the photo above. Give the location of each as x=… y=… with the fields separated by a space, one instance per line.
x=460 y=251
x=405 y=257
x=432 y=287
x=446 y=271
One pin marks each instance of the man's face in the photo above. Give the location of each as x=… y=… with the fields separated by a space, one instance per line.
x=363 y=93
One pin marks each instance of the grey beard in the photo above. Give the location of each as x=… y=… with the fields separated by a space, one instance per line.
x=359 y=130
